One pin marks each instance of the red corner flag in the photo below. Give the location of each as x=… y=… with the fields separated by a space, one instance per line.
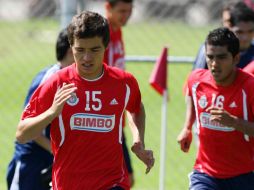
x=158 y=78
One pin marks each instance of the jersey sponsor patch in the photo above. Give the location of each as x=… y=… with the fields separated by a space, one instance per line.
x=92 y=122
x=207 y=123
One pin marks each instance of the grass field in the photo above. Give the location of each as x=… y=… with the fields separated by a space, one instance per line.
x=27 y=47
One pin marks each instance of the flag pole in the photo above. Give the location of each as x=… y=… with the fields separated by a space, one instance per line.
x=163 y=140
x=158 y=81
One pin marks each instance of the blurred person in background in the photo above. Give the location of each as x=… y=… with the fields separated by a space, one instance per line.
x=221 y=100
x=118 y=13
x=239 y=18
x=24 y=170
x=227 y=10
x=249 y=3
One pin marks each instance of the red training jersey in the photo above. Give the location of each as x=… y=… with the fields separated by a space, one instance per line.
x=86 y=137
x=249 y=68
x=223 y=151
x=114 y=54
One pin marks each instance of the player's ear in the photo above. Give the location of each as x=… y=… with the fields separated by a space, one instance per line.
x=236 y=59
x=69 y=51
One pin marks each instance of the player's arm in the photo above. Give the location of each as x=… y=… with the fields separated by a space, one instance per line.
x=185 y=136
x=222 y=116
x=44 y=142
x=243 y=126
x=30 y=128
x=137 y=126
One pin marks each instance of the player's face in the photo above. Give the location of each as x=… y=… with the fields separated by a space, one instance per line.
x=226 y=18
x=88 y=54
x=221 y=64
x=119 y=14
x=245 y=32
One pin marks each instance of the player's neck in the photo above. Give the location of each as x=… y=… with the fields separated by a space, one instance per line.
x=94 y=79
x=227 y=81
x=114 y=26
x=65 y=63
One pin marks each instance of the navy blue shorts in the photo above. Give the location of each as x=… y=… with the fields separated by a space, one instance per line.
x=201 y=181
x=25 y=174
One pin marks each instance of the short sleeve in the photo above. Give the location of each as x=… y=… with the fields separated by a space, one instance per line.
x=249 y=68
x=193 y=78
x=189 y=84
x=134 y=101
x=40 y=101
x=250 y=97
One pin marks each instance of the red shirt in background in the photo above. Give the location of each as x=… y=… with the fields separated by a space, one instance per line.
x=114 y=54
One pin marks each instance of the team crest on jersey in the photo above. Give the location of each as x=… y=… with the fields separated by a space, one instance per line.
x=92 y=122
x=73 y=100
x=203 y=102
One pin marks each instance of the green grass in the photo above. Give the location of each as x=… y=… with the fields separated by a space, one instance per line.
x=178 y=164
x=148 y=38
x=27 y=47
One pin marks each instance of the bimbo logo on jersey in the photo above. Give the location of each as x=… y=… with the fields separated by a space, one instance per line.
x=206 y=122
x=92 y=122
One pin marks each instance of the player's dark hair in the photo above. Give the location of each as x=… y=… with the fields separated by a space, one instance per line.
x=114 y=2
x=241 y=13
x=89 y=24
x=62 y=45
x=231 y=6
x=224 y=37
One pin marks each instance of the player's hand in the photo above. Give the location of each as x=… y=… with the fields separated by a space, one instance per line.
x=185 y=139
x=61 y=96
x=221 y=116
x=145 y=156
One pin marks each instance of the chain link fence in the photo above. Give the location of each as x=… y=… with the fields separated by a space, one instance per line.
x=29 y=29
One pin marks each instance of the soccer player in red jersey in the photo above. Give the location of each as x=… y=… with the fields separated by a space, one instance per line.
x=84 y=104
x=221 y=99
x=118 y=13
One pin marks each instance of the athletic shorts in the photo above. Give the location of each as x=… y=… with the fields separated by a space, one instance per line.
x=25 y=174
x=201 y=181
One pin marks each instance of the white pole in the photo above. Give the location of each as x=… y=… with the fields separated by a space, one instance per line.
x=163 y=140
x=67 y=10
